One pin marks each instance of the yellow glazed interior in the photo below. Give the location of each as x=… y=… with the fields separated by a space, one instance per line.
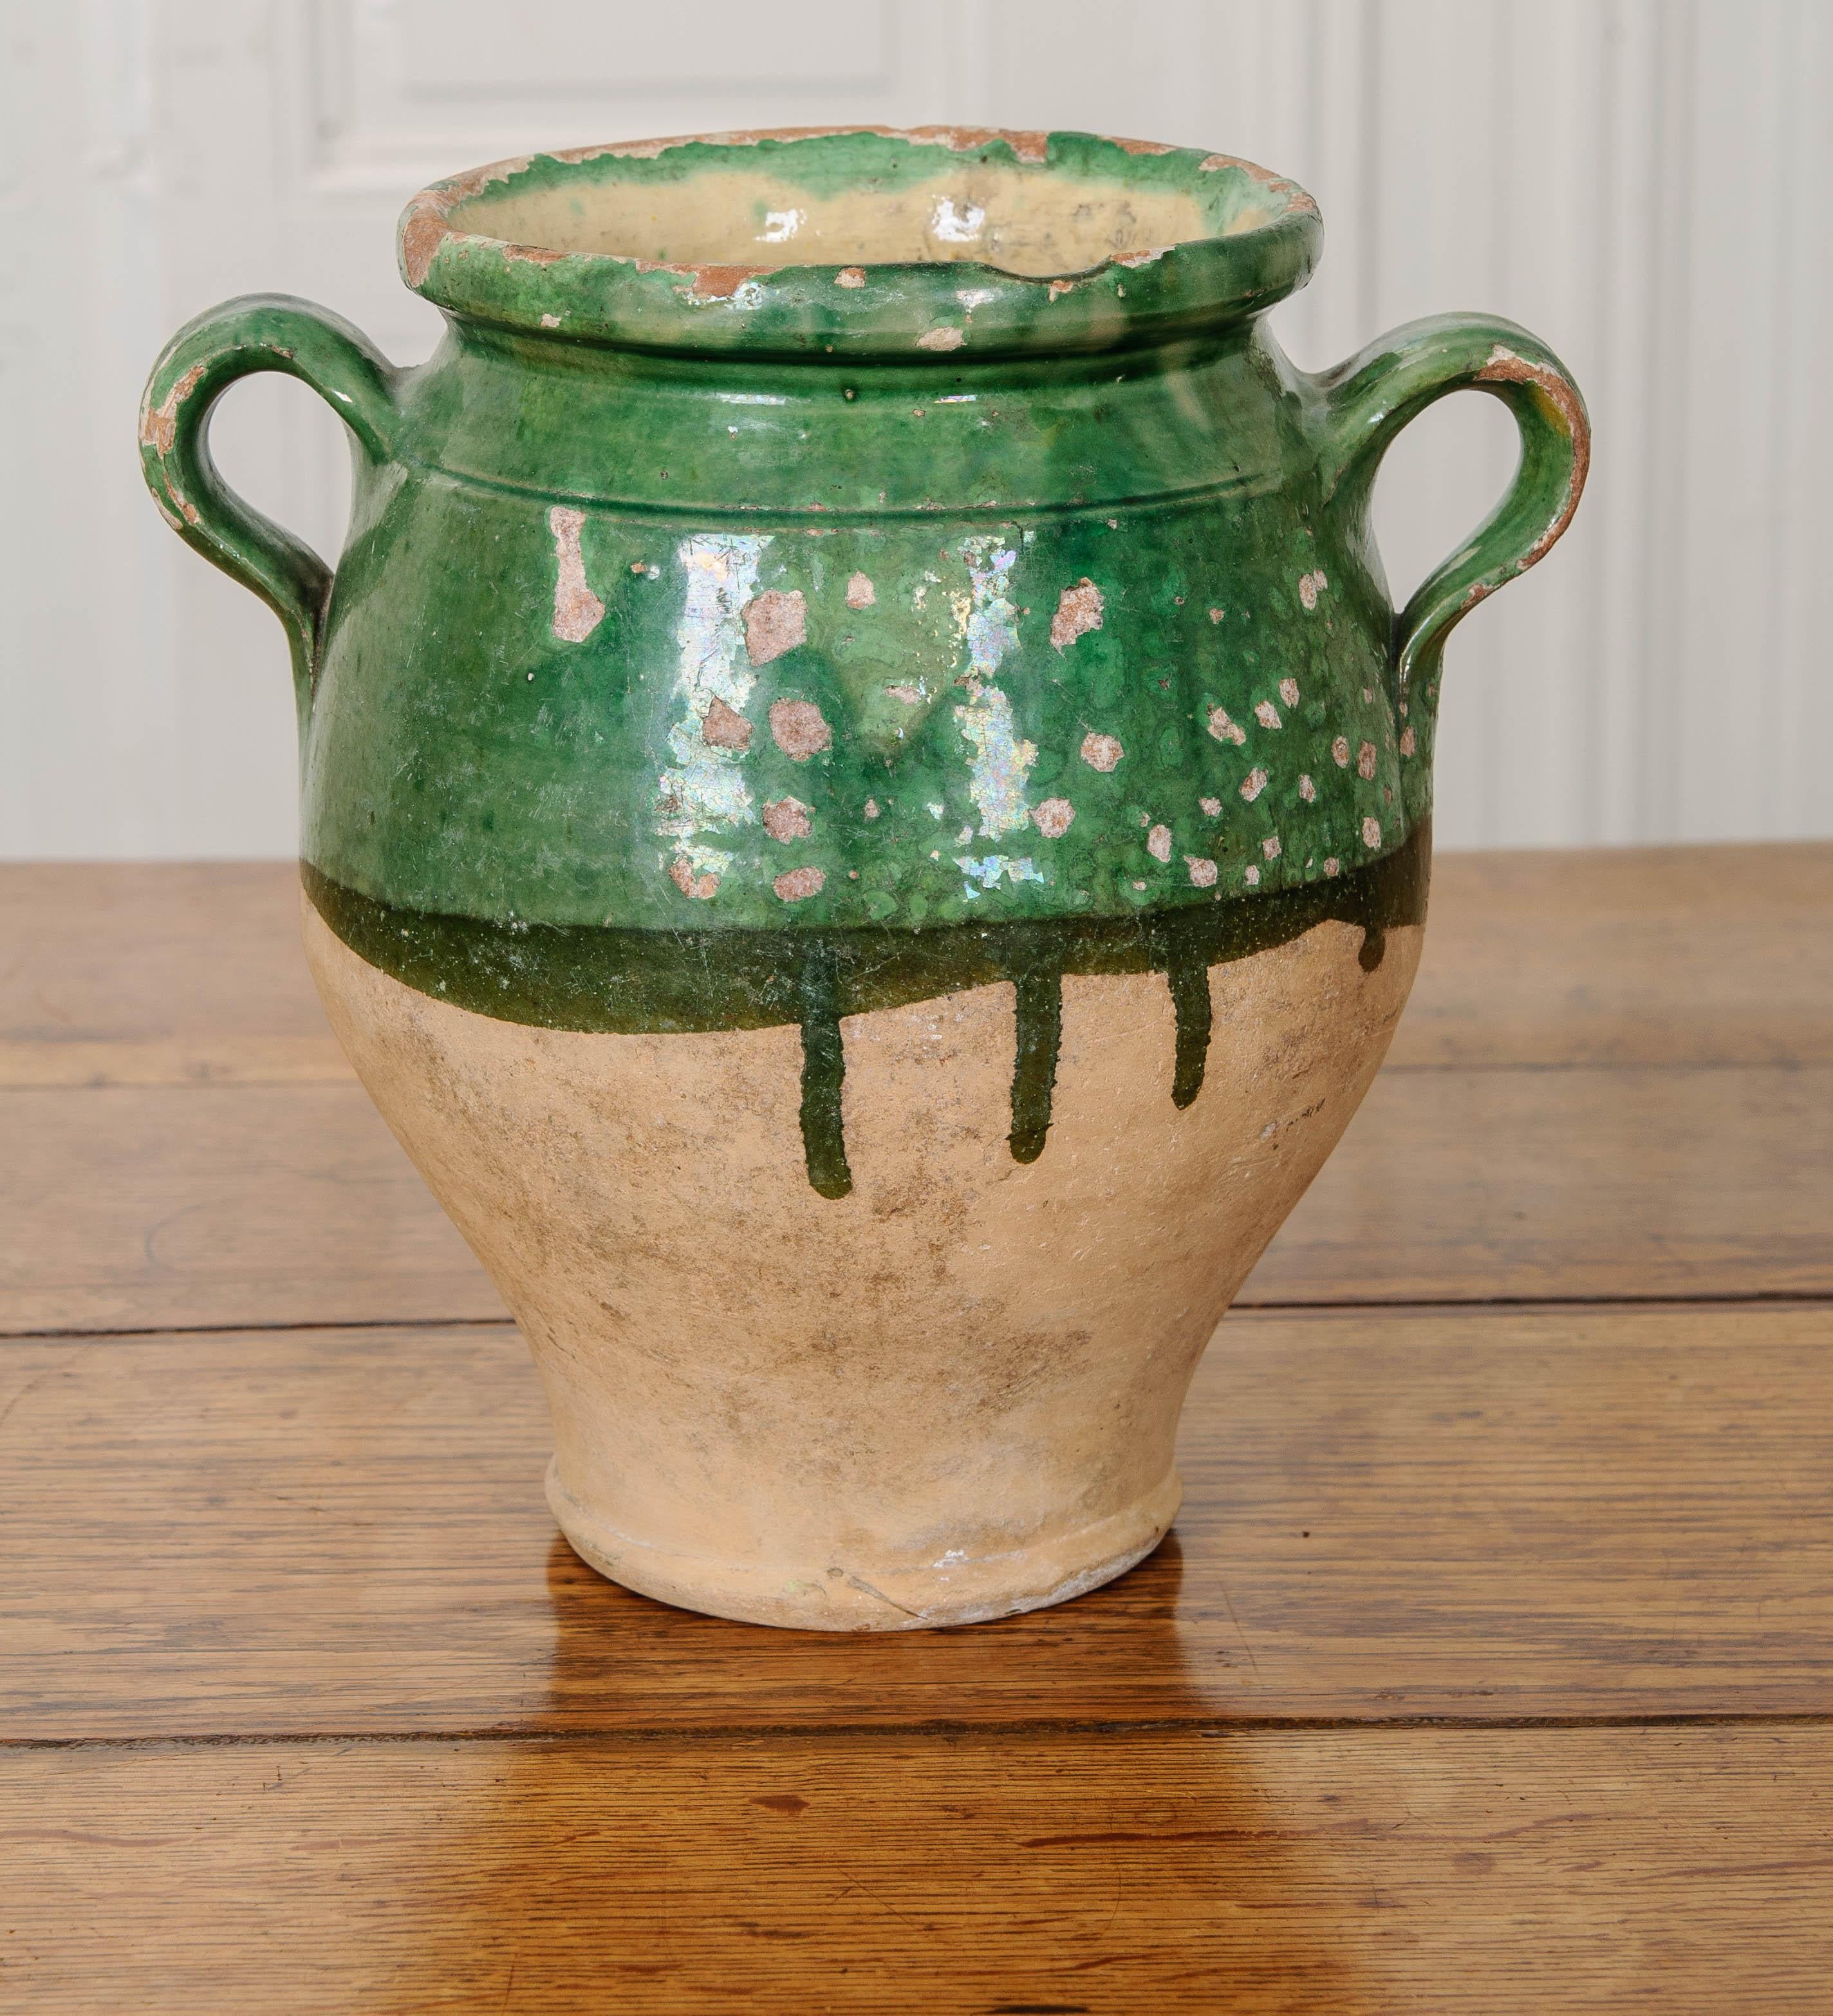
x=1002 y=214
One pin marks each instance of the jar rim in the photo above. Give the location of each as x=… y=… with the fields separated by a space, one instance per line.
x=1164 y=240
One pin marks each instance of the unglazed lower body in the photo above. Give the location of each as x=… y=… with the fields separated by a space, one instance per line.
x=950 y=1395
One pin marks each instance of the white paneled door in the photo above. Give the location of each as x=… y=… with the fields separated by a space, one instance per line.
x=1646 y=183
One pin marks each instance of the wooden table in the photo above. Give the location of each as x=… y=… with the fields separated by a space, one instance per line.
x=1489 y=1666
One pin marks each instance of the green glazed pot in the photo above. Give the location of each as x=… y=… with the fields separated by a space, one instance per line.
x=865 y=808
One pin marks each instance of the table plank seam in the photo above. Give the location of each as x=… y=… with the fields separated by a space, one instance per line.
x=178 y=1331
x=1731 y=1298
x=1791 y=1298
x=941 y=1728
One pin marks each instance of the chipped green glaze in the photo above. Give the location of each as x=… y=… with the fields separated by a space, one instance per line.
x=720 y=641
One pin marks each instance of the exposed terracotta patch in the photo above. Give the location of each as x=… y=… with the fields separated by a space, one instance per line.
x=534 y=255
x=860 y=593
x=639 y=151
x=1202 y=871
x=1101 y=752
x=421 y=231
x=455 y=189
x=720 y=283
x=1311 y=585
x=1371 y=833
x=1053 y=818
x=796 y=883
x=850 y=276
x=1158 y=843
x=1210 y=808
x=776 y=622
x=1216 y=615
x=701 y=887
x=1026 y=146
x=1060 y=288
x=1078 y=610
x=787 y=818
x=1365 y=760
x=908 y=695
x=1289 y=692
x=1340 y=752
x=424 y=225
x=799 y=728
x=1253 y=784
x=577 y=611
x=725 y=729
x=1506 y=366
x=1223 y=728
x=1407 y=744
x=159 y=424
x=1307 y=790
x=872 y=808
x=943 y=337
x=1266 y=714
x=1297 y=200
x=1332 y=867
x=1270 y=847
x=1252 y=877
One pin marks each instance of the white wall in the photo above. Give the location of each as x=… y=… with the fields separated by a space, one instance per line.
x=1644 y=182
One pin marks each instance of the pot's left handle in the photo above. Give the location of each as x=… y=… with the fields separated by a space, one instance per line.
x=258 y=332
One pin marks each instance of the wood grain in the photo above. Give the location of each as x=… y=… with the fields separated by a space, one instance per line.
x=150 y=1207
x=1409 y=1514
x=173 y=972
x=1626 y=956
x=1690 y=1871
x=1523 y=1186
x=145 y=1208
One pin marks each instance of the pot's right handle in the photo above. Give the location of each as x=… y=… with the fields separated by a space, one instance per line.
x=1367 y=402
x=258 y=333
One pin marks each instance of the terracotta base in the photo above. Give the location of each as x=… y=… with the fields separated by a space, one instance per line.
x=950 y=1395
x=826 y=1597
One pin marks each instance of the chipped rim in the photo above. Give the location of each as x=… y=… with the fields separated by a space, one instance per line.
x=946 y=311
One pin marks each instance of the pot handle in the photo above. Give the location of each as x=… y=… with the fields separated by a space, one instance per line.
x=258 y=333
x=1370 y=398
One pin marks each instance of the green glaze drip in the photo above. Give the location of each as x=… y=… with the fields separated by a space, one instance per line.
x=626 y=980
x=1034 y=1072
x=1188 y=974
x=824 y=1070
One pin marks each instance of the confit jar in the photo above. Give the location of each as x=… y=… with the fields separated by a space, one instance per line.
x=865 y=809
